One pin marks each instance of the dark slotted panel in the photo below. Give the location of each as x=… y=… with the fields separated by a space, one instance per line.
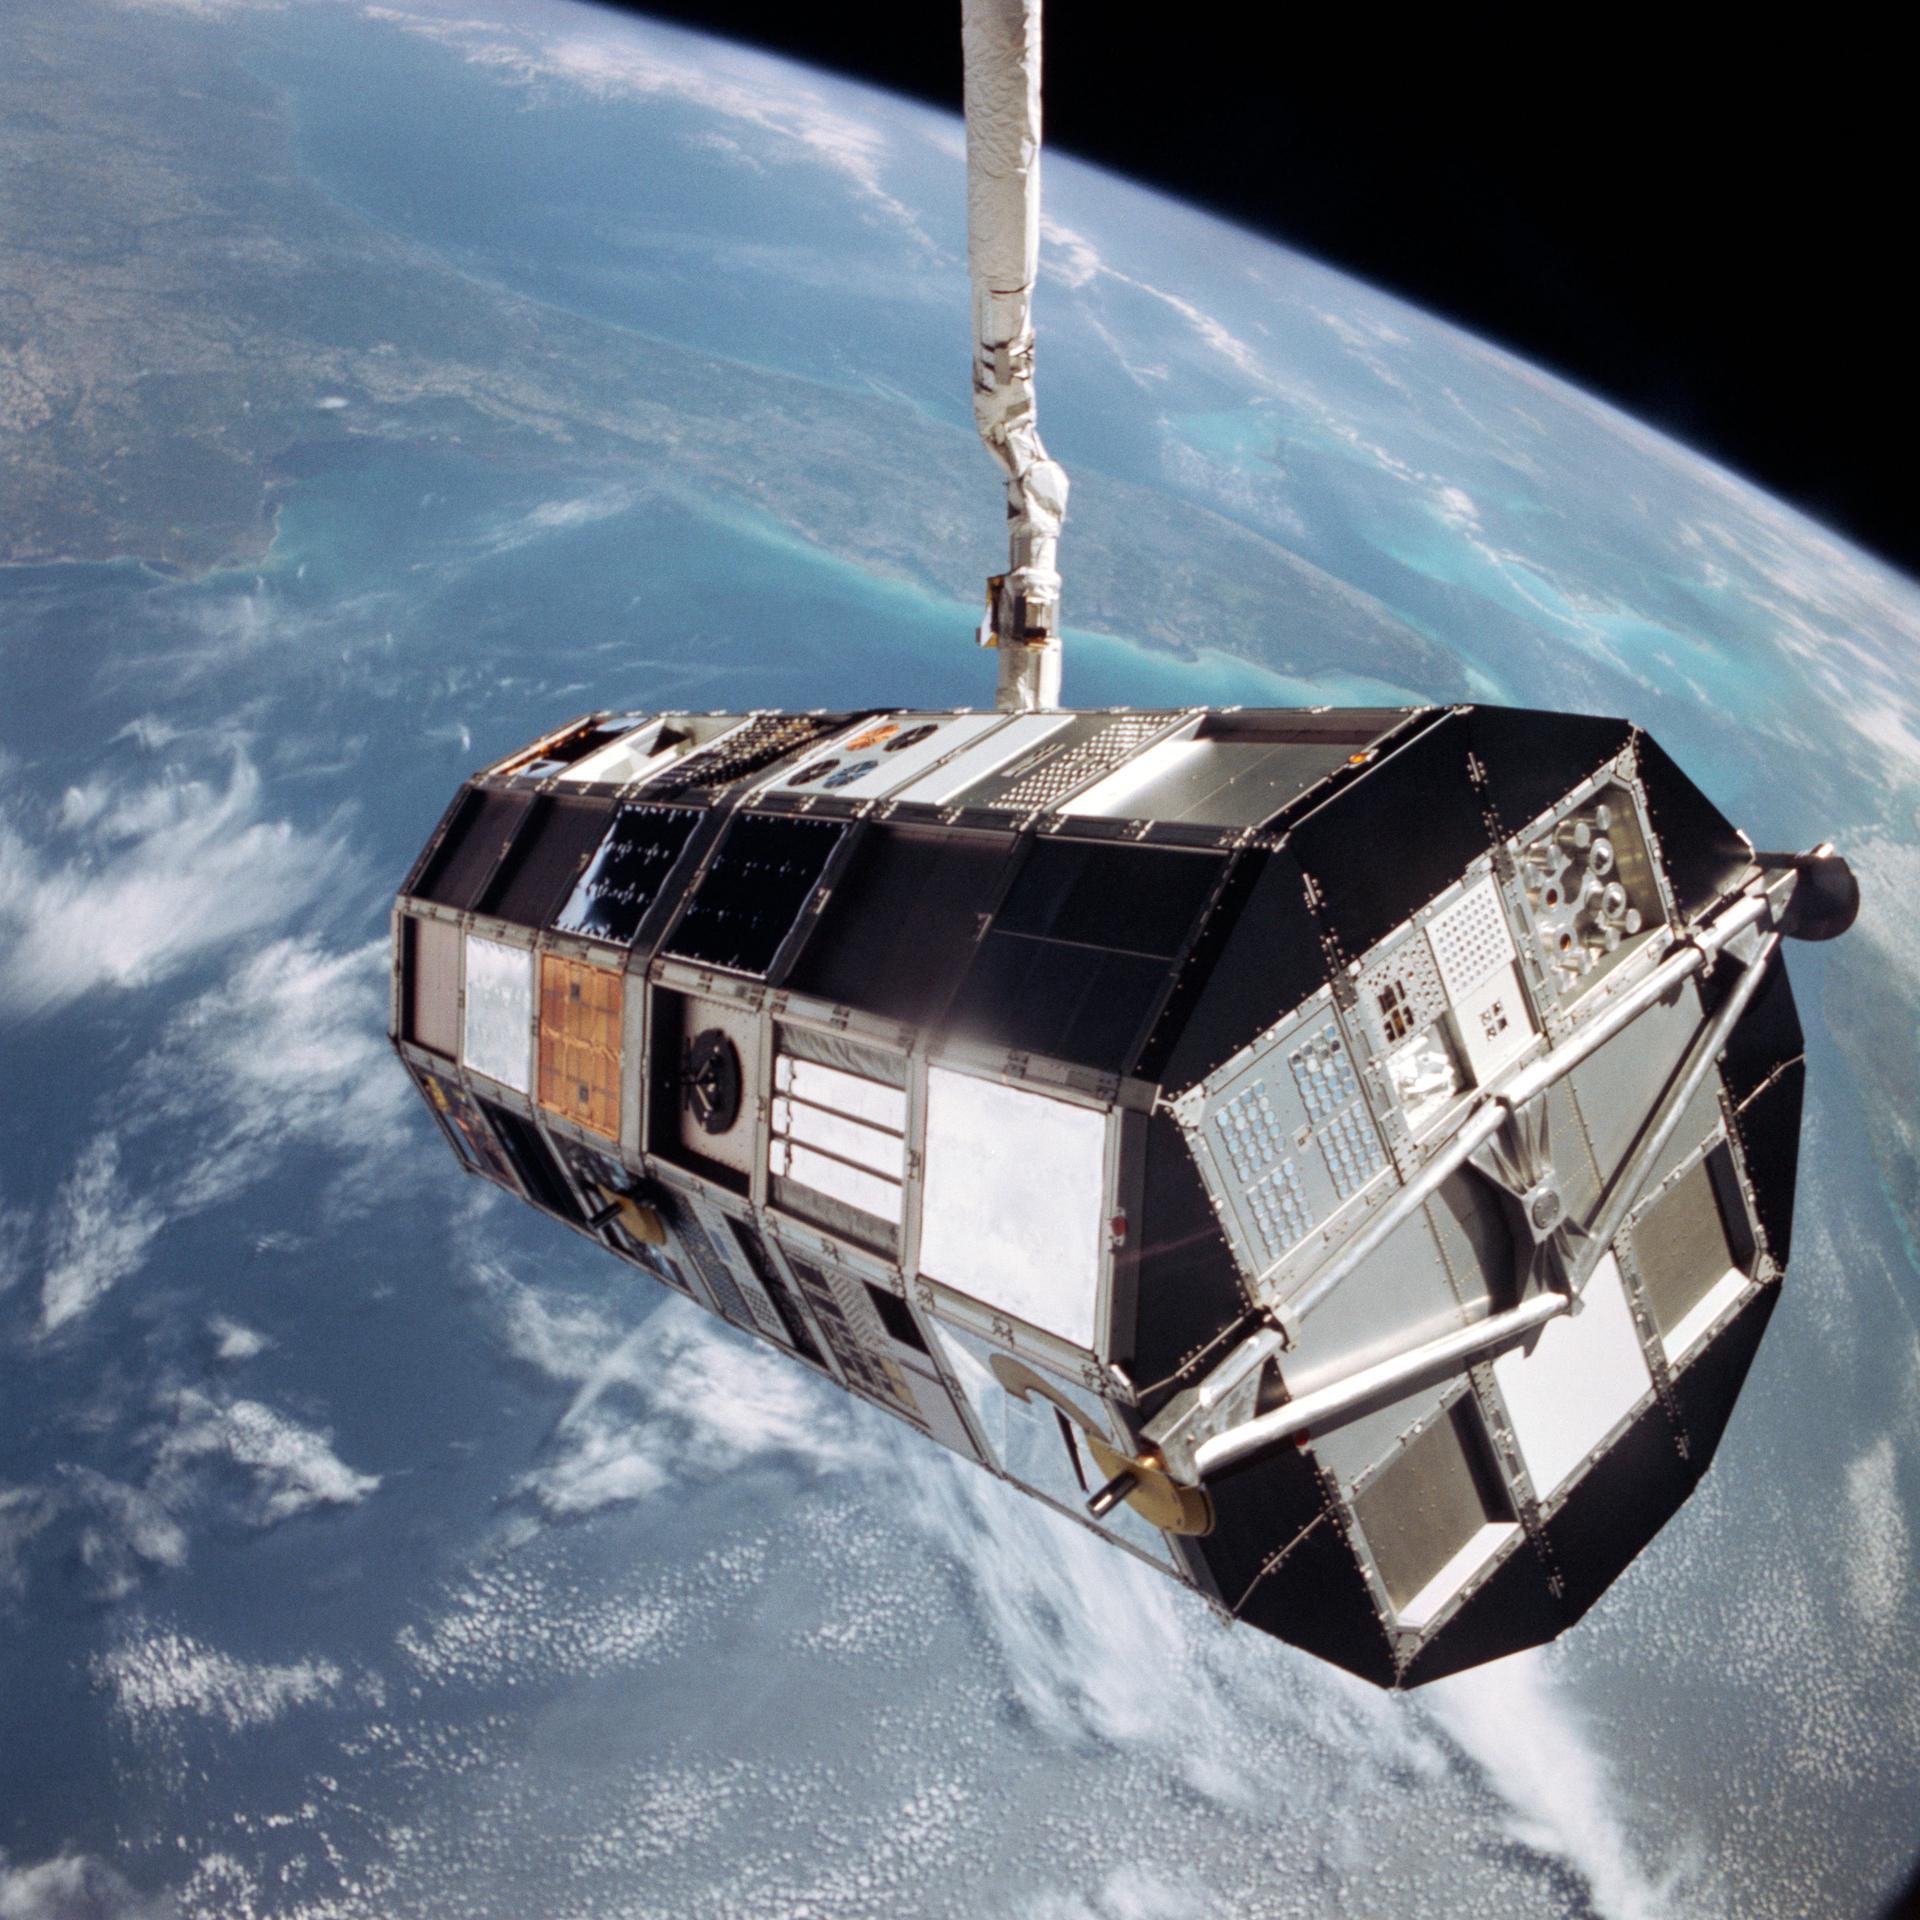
x=1258 y=957
x=711 y=1264
x=1390 y=841
x=1530 y=761
x=1704 y=855
x=545 y=860
x=624 y=878
x=472 y=1139
x=899 y=931
x=752 y=895
x=539 y=1174
x=475 y=839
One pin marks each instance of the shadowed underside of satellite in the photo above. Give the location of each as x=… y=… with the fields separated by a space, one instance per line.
x=1346 y=1157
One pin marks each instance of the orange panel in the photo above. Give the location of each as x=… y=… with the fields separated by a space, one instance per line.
x=580 y=1043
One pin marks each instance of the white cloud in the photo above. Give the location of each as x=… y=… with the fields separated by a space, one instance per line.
x=159 y=1676
x=99 y=1234
x=73 y=1886
x=16 y=1225
x=233 y=1342
x=24 y=1512
x=286 y=1052
x=131 y=885
x=292 y=1469
x=127 y=1531
x=677 y=1400
x=1878 y=1553
x=1525 y=1735
x=794 y=120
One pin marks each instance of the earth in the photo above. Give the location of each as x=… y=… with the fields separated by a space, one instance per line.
x=381 y=385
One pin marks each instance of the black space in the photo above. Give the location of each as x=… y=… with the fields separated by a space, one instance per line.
x=1713 y=237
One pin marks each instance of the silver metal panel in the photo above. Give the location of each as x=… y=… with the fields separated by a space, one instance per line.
x=652 y=747
x=1434 y=1513
x=1015 y=1203
x=1285 y=1140
x=497 y=1039
x=987 y=756
x=1094 y=744
x=1583 y=1375
x=1470 y=940
x=878 y=757
x=1685 y=1259
x=1397 y=1298
x=1209 y=783
x=1619 y=1087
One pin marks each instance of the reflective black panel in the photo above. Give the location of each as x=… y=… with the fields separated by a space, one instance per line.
x=1388 y=843
x=1073 y=1003
x=1530 y=761
x=1128 y=899
x=624 y=878
x=1704 y=854
x=476 y=838
x=1258 y=956
x=899 y=931
x=545 y=859
x=751 y=897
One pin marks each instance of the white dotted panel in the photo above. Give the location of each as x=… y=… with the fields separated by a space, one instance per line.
x=1248 y=1132
x=1469 y=940
x=1279 y=1210
x=1324 y=1075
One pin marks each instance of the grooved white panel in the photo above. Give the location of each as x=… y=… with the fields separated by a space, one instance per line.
x=497 y=1038
x=1014 y=1201
x=1469 y=940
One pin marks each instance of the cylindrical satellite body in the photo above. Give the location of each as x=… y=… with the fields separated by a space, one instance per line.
x=1346 y=1157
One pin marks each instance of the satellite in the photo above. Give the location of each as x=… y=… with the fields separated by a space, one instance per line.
x=1344 y=1156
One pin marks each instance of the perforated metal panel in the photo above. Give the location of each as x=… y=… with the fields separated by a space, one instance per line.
x=1071 y=767
x=1400 y=991
x=1287 y=1140
x=746 y=750
x=1469 y=940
